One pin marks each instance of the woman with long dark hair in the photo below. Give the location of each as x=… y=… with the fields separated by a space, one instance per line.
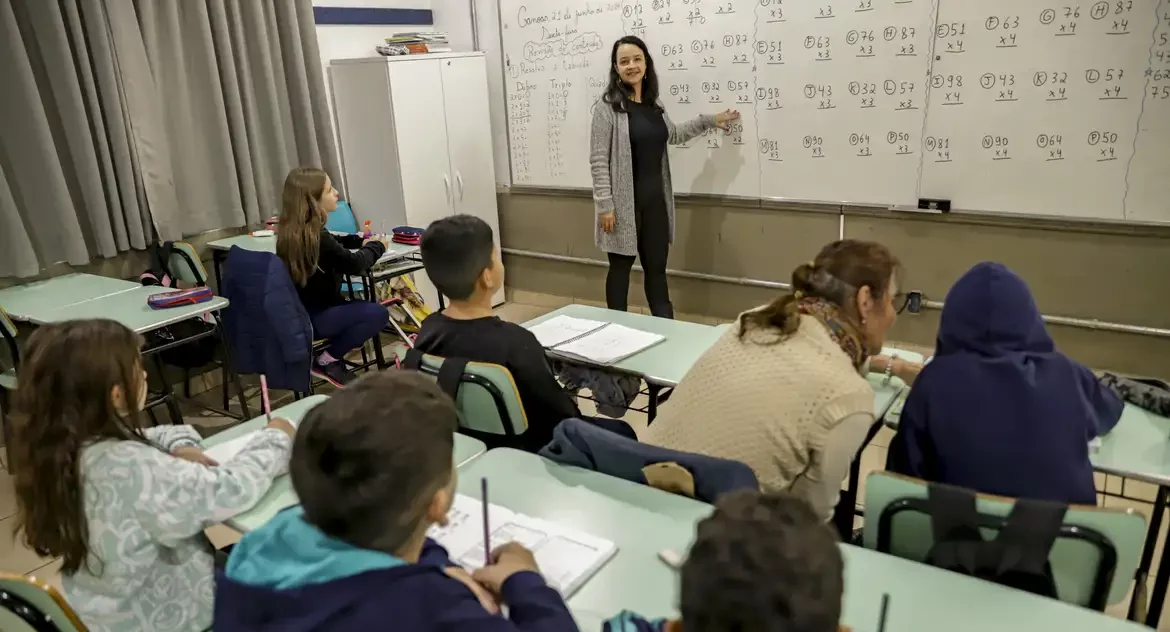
x=631 y=174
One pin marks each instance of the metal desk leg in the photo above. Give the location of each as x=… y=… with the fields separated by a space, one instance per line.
x=216 y=261
x=230 y=368
x=169 y=398
x=652 y=392
x=1157 y=596
x=847 y=501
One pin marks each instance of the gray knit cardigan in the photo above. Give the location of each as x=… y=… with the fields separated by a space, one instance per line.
x=611 y=162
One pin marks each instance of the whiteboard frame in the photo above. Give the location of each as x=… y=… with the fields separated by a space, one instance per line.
x=843 y=204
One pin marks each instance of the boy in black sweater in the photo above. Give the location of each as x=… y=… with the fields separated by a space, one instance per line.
x=464 y=265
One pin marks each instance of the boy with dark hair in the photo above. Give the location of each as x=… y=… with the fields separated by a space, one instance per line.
x=463 y=262
x=760 y=562
x=373 y=470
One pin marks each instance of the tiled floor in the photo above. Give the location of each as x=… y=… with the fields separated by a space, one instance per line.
x=15 y=557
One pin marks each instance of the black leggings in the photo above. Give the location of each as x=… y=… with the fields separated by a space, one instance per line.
x=653 y=249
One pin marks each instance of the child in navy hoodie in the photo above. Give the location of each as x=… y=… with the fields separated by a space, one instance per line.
x=1000 y=410
x=373 y=470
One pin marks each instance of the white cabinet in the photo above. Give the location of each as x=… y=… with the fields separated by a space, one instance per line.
x=416 y=142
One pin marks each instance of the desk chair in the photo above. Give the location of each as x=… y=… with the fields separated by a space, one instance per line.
x=343 y=220
x=30 y=605
x=267 y=324
x=1093 y=560
x=485 y=394
x=8 y=377
x=183 y=264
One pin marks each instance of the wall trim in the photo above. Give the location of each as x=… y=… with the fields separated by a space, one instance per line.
x=371 y=16
x=1082 y=323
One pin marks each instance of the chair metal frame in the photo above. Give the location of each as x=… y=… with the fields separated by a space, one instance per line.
x=1098 y=597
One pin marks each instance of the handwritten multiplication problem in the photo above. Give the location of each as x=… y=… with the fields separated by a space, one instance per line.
x=865 y=101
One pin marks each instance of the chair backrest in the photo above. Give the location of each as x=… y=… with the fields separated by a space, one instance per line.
x=266 y=324
x=185 y=265
x=1079 y=558
x=42 y=598
x=342 y=219
x=8 y=332
x=488 y=400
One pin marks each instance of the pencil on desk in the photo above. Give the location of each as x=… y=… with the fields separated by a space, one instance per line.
x=487 y=532
x=881 y=626
x=264 y=398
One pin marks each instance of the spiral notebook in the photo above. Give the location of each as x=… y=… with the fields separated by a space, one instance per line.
x=592 y=341
x=567 y=557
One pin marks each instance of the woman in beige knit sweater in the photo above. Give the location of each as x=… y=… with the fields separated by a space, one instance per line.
x=783 y=391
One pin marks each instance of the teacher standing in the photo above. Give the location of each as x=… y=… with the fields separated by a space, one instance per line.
x=631 y=174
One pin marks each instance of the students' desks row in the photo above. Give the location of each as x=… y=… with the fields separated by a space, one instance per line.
x=664 y=365
x=643 y=521
x=399 y=259
x=79 y=296
x=75 y=296
x=281 y=494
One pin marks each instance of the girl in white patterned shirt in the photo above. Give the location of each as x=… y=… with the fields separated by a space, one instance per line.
x=123 y=506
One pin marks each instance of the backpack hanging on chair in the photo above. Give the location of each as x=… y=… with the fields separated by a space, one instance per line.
x=1017 y=557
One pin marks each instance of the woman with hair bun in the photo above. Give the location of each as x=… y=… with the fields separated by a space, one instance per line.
x=784 y=390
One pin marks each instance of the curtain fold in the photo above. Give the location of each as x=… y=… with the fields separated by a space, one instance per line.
x=237 y=92
x=133 y=119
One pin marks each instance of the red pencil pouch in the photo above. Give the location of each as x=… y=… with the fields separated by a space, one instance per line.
x=165 y=300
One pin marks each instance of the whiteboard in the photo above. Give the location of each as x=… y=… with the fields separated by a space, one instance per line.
x=1038 y=107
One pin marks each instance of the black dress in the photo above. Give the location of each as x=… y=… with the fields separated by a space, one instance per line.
x=648 y=138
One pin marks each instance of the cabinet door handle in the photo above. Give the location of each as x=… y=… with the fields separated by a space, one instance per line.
x=459 y=180
x=447 y=187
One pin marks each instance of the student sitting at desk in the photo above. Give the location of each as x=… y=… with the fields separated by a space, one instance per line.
x=318 y=262
x=461 y=259
x=783 y=391
x=760 y=562
x=124 y=506
x=372 y=468
x=999 y=410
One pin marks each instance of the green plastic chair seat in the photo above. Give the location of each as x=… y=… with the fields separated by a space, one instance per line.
x=1074 y=562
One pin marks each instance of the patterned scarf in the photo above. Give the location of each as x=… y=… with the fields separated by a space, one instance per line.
x=840 y=329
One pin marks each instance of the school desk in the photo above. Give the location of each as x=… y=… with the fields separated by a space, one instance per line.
x=27 y=302
x=281 y=494
x=661 y=366
x=406 y=258
x=885 y=393
x=643 y=521
x=129 y=307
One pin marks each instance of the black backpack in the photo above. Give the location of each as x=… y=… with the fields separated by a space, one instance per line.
x=188 y=356
x=1016 y=557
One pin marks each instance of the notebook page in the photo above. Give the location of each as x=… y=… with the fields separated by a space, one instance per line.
x=567 y=558
x=610 y=344
x=223 y=452
x=561 y=329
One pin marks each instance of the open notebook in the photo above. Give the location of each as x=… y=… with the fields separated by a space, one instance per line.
x=591 y=340
x=223 y=452
x=567 y=558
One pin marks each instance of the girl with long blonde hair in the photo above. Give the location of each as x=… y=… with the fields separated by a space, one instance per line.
x=318 y=262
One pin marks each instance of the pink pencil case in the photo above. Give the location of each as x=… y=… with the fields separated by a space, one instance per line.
x=165 y=300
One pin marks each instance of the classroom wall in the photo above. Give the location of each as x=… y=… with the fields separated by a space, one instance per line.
x=346 y=41
x=1110 y=273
